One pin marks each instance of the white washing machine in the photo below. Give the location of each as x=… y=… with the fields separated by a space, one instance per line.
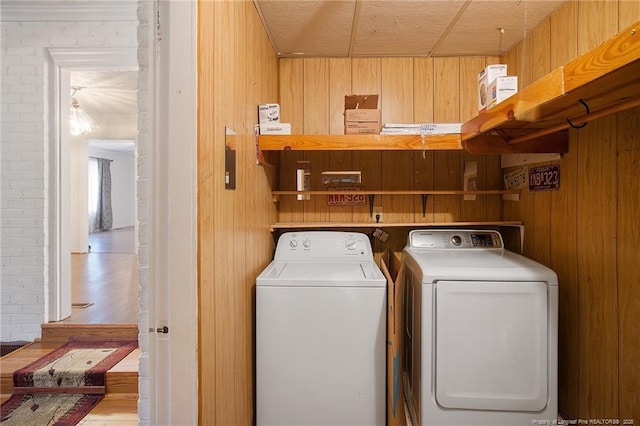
x=321 y=332
x=480 y=332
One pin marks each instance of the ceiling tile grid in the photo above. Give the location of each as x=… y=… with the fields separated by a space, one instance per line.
x=351 y=28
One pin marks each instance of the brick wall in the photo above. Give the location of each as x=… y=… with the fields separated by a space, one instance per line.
x=23 y=158
x=146 y=10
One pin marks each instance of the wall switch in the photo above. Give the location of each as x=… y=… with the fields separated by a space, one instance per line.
x=377 y=214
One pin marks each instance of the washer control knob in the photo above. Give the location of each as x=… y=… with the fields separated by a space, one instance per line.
x=456 y=240
x=293 y=243
x=306 y=243
x=351 y=244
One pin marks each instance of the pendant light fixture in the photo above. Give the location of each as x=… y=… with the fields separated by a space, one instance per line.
x=79 y=122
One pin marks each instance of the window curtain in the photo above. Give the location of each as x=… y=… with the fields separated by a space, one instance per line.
x=100 y=213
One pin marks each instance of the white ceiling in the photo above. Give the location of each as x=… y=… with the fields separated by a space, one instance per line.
x=353 y=28
x=109 y=97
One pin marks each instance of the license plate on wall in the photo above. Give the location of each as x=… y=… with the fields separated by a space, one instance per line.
x=345 y=199
x=546 y=178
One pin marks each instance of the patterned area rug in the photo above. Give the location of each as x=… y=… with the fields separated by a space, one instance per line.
x=64 y=385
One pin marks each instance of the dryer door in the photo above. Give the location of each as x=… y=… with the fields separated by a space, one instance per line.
x=491 y=345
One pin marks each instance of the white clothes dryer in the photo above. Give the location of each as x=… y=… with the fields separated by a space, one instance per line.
x=480 y=332
x=321 y=332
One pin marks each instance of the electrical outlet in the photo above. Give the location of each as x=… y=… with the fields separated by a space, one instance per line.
x=377 y=214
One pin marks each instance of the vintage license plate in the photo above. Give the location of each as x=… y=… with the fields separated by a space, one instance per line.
x=345 y=199
x=517 y=179
x=544 y=178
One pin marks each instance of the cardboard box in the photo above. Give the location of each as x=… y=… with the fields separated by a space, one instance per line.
x=485 y=78
x=275 y=129
x=268 y=113
x=362 y=121
x=500 y=89
x=393 y=270
x=361 y=115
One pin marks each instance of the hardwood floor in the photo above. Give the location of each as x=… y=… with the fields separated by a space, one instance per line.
x=106 y=280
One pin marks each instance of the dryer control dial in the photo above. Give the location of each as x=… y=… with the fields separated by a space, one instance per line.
x=456 y=240
x=306 y=243
x=351 y=244
x=293 y=243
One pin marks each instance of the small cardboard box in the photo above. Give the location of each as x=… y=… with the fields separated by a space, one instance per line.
x=268 y=113
x=392 y=268
x=361 y=114
x=485 y=78
x=500 y=89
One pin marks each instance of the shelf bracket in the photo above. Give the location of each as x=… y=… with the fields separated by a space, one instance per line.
x=423 y=198
x=580 y=126
x=372 y=198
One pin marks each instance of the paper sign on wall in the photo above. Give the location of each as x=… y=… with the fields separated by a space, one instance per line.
x=470 y=178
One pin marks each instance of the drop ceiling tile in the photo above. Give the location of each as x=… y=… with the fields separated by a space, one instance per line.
x=309 y=27
x=402 y=28
x=476 y=32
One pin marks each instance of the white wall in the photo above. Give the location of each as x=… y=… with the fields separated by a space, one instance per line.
x=123 y=179
x=79 y=240
x=25 y=32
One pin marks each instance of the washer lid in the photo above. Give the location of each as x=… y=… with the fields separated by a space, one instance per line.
x=324 y=274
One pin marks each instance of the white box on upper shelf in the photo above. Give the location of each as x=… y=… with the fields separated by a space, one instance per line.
x=485 y=78
x=268 y=113
x=501 y=89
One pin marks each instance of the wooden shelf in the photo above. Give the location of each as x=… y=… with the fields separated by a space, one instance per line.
x=337 y=225
x=601 y=82
x=355 y=143
x=277 y=194
x=358 y=142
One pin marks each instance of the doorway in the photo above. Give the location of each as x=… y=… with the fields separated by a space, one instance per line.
x=103 y=214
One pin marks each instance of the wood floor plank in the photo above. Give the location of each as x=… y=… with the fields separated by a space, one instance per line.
x=114 y=410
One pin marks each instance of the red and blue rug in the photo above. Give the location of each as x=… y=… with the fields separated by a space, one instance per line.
x=63 y=386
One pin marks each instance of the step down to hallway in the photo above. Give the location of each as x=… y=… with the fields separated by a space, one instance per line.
x=62 y=331
x=121 y=379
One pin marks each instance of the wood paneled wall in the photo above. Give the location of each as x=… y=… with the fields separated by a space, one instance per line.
x=412 y=90
x=589 y=230
x=237 y=70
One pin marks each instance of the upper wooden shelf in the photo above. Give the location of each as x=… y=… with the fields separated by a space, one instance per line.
x=358 y=142
x=603 y=81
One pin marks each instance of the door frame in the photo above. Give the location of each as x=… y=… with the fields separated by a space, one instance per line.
x=167 y=212
x=59 y=62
